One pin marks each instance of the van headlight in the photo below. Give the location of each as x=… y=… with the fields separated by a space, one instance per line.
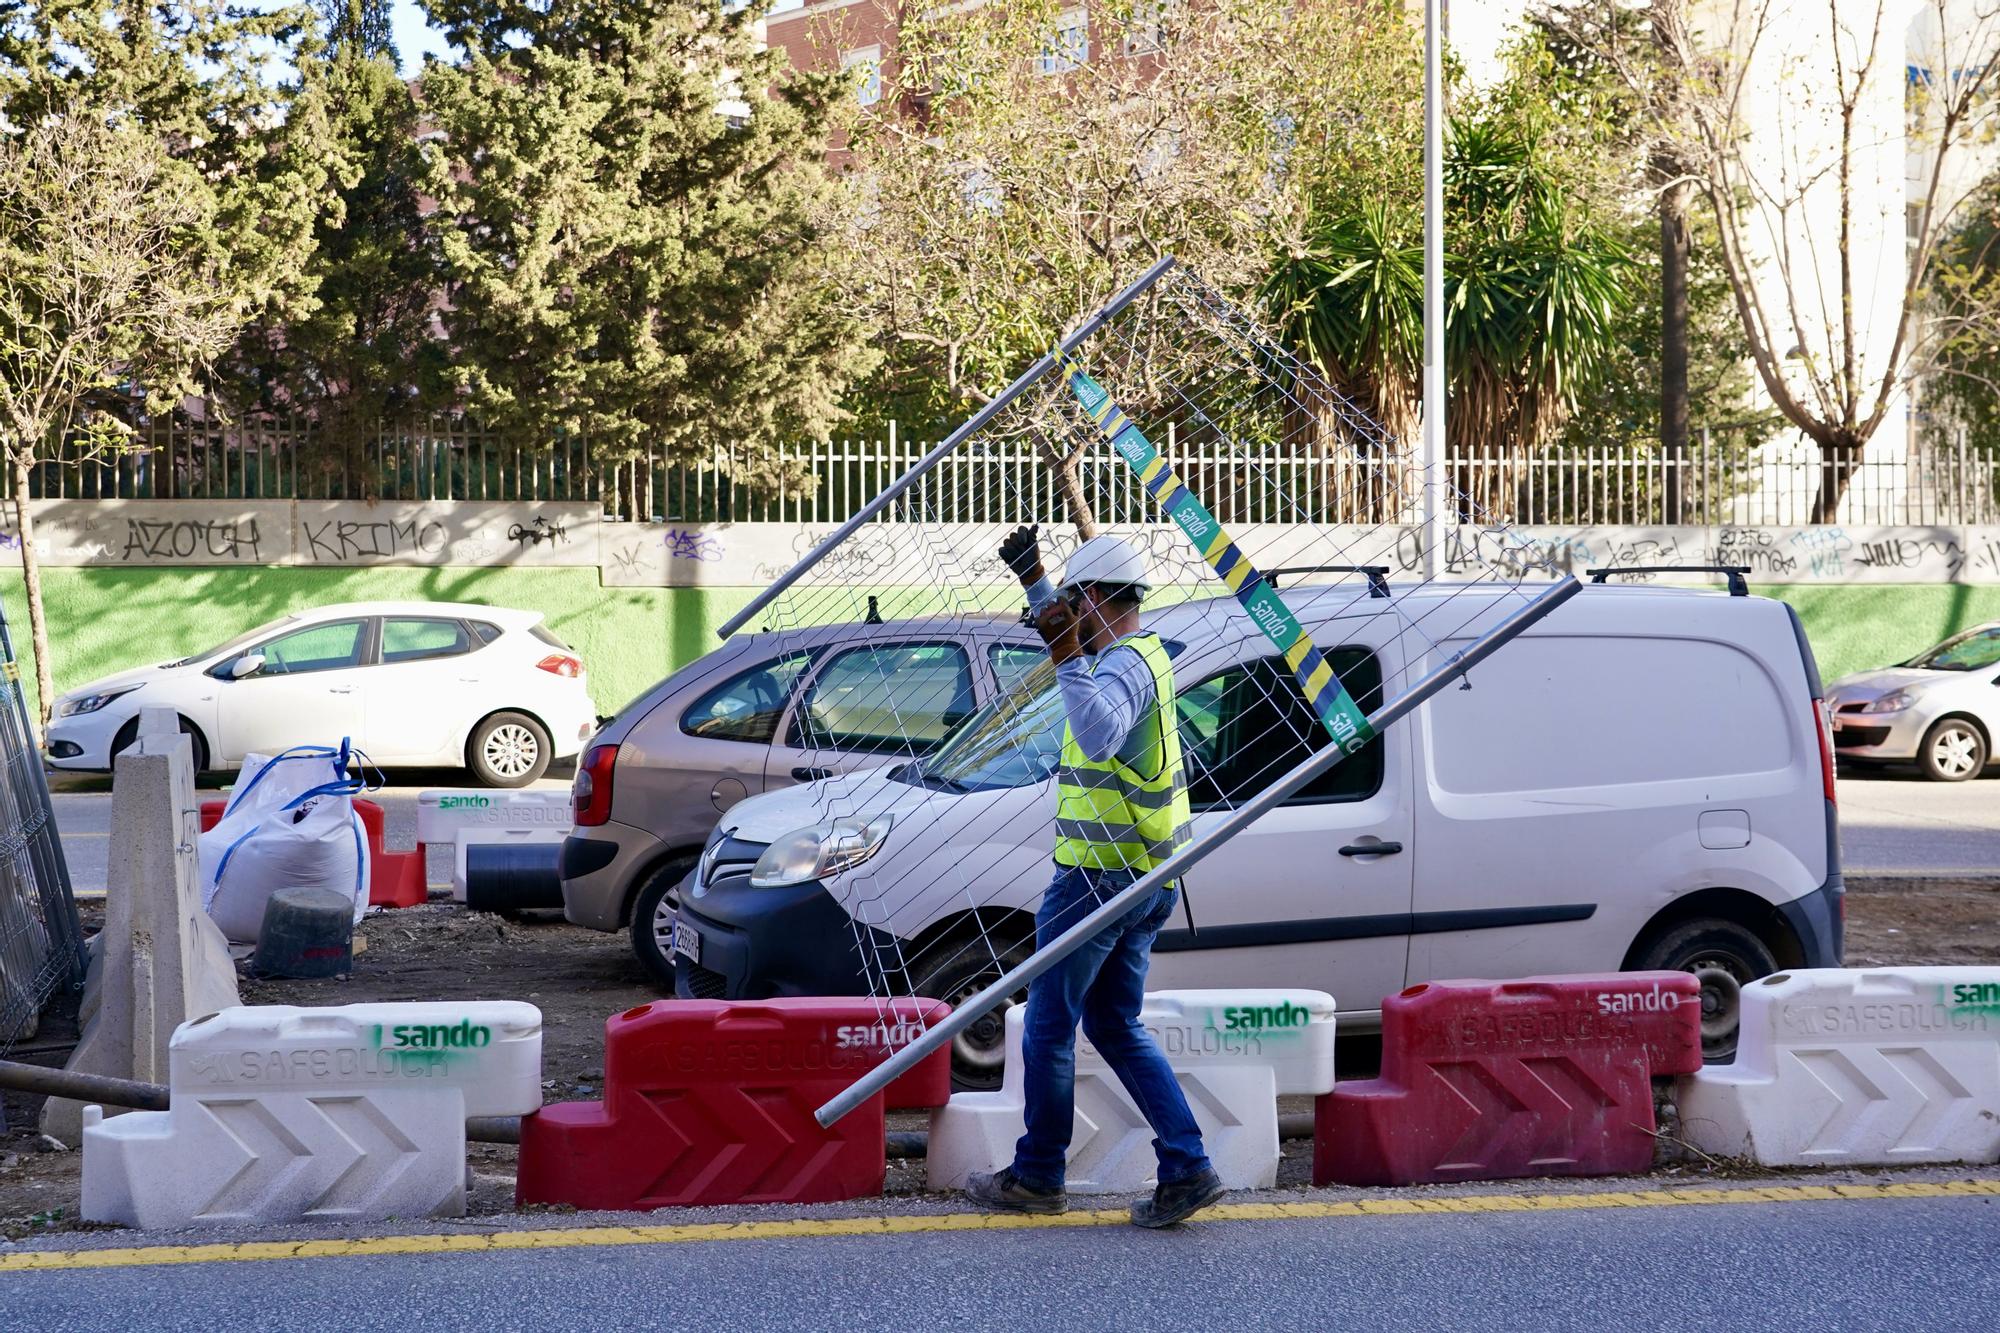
x=90 y=703
x=819 y=851
x=1891 y=703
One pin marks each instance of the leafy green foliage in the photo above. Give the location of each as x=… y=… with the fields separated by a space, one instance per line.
x=365 y=355
x=1536 y=280
x=627 y=203
x=1010 y=178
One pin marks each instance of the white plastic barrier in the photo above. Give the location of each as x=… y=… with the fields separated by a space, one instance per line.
x=1857 y=1067
x=282 y=1114
x=459 y=819
x=1234 y=1053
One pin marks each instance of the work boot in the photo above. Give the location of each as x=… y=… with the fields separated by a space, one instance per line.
x=1177 y=1201
x=1004 y=1190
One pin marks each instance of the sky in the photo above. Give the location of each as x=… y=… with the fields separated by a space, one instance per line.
x=415 y=39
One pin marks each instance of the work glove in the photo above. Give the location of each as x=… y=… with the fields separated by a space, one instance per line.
x=1057 y=624
x=1021 y=551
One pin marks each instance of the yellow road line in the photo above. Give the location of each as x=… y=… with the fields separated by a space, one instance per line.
x=802 y=1228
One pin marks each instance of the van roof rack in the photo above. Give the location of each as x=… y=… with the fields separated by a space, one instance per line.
x=1739 y=586
x=1378 y=575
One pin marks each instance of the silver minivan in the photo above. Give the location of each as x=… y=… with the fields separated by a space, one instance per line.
x=763 y=712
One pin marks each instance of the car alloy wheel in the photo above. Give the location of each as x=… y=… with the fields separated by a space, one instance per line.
x=1954 y=751
x=511 y=750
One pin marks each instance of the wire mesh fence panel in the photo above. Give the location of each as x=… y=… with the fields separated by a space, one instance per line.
x=41 y=938
x=1284 y=590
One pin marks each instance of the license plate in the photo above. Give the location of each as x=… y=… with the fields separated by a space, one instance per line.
x=687 y=940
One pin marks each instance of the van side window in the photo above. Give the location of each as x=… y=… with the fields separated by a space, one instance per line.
x=747 y=706
x=887 y=699
x=1245 y=728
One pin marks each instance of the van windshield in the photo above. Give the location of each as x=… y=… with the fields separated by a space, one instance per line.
x=1014 y=741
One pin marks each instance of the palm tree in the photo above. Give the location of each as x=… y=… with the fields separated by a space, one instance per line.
x=1534 y=284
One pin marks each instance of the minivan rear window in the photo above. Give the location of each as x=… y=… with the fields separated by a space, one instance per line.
x=747 y=706
x=1551 y=712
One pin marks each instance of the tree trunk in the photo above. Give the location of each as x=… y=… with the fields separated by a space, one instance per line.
x=1673 y=339
x=31 y=580
x=1837 y=460
x=1075 y=501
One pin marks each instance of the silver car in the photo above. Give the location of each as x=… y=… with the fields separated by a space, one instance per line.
x=762 y=712
x=1941 y=708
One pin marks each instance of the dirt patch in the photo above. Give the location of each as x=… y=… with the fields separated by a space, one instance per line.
x=578 y=978
x=1906 y=921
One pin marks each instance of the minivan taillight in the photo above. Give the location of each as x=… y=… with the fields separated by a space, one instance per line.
x=1823 y=718
x=561 y=664
x=590 y=794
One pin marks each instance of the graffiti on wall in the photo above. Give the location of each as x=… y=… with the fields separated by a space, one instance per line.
x=309 y=532
x=139 y=533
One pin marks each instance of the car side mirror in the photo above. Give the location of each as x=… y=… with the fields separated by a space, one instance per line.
x=247 y=665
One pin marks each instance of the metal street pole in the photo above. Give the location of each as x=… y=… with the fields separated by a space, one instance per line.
x=1433 y=448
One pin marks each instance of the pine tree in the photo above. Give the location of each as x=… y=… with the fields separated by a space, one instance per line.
x=366 y=355
x=625 y=194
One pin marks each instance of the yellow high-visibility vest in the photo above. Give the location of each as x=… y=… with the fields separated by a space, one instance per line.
x=1111 y=815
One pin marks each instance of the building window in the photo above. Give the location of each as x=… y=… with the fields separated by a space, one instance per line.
x=867 y=62
x=1146 y=29
x=1068 y=46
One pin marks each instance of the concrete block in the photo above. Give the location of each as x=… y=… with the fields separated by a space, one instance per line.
x=463 y=818
x=1857 y=1067
x=1233 y=1053
x=284 y=1114
x=159 y=960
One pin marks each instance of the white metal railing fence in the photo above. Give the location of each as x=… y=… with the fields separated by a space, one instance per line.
x=1722 y=478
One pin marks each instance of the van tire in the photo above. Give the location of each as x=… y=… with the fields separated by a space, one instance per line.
x=978 y=1054
x=1724 y=956
x=1953 y=750
x=520 y=750
x=652 y=912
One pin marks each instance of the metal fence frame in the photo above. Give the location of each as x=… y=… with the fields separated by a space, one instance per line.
x=41 y=936
x=1724 y=478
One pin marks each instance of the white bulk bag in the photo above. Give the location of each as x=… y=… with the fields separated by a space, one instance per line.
x=290 y=823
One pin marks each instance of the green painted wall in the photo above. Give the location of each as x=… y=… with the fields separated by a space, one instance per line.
x=1857 y=626
x=105 y=620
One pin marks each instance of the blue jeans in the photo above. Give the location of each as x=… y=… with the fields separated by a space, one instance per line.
x=1103 y=983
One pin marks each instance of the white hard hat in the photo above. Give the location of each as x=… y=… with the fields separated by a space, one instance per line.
x=1105 y=560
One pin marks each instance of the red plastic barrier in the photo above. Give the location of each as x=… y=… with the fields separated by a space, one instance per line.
x=1486 y=1080
x=395 y=879
x=708 y=1102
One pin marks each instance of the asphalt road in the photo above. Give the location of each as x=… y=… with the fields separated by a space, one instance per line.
x=1882 y=1263
x=1889 y=823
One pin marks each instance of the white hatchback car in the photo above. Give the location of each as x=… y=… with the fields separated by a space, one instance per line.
x=449 y=684
x=1941 y=708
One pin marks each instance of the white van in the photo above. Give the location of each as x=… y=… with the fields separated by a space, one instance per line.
x=1642 y=780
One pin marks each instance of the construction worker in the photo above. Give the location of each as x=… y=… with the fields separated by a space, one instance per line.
x=1121 y=808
